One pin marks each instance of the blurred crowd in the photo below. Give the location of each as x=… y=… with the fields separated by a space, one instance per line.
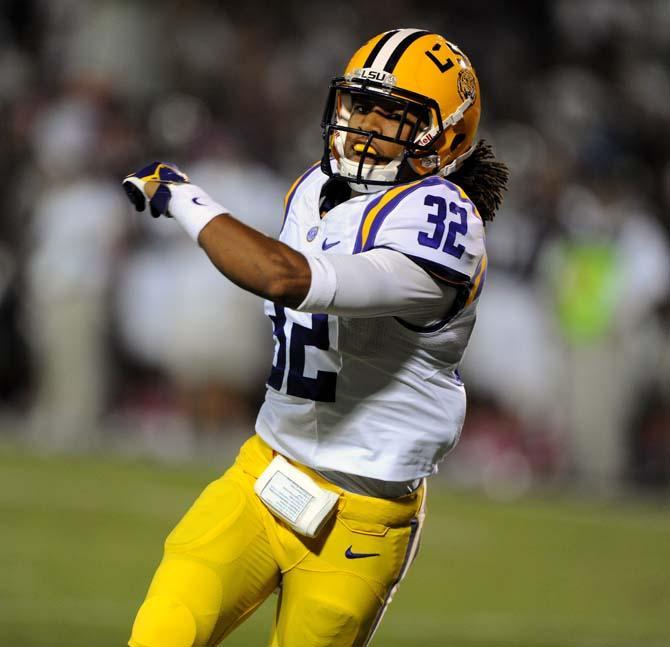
x=115 y=325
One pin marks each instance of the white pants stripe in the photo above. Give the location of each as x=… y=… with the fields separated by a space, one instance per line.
x=412 y=549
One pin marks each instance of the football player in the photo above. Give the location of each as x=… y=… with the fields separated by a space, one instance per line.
x=372 y=290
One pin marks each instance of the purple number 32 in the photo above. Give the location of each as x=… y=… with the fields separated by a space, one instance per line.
x=456 y=227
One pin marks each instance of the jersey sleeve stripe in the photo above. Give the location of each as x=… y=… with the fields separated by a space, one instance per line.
x=389 y=198
x=478 y=281
x=376 y=213
x=359 y=236
x=294 y=187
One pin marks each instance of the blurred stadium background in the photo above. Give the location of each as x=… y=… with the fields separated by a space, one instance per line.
x=130 y=371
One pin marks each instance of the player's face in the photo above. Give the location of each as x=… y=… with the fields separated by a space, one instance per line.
x=383 y=118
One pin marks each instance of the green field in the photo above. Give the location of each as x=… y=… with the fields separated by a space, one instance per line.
x=79 y=538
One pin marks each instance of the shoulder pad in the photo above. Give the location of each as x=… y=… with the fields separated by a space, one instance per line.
x=433 y=222
x=300 y=182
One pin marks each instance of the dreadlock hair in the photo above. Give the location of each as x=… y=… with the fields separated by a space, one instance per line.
x=484 y=179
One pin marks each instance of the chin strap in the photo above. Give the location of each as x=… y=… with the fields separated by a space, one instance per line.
x=367 y=188
x=386 y=173
x=457 y=163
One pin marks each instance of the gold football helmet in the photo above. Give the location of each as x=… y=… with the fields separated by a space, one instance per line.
x=430 y=82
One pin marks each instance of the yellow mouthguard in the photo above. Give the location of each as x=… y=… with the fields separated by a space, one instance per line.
x=359 y=148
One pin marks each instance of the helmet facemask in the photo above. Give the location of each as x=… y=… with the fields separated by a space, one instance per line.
x=364 y=167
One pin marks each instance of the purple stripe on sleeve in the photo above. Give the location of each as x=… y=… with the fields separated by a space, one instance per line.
x=481 y=284
x=359 y=235
x=388 y=208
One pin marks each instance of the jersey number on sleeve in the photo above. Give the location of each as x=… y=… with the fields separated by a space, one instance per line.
x=320 y=388
x=456 y=227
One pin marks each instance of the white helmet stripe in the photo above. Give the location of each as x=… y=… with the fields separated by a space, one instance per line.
x=378 y=45
x=391 y=45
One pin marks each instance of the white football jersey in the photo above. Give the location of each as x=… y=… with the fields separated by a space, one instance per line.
x=376 y=397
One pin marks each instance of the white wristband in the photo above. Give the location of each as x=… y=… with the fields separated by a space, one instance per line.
x=192 y=208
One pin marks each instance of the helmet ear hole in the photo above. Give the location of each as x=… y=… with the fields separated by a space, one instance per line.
x=456 y=141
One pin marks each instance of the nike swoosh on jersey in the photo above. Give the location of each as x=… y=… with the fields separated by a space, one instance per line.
x=195 y=201
x=351 y=555
x=326 y=245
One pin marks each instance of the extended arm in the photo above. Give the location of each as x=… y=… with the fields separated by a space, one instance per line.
x=247 y=257
x=256 y=263
x=377 y=283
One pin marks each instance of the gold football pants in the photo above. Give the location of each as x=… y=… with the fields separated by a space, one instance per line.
x=229 y=553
